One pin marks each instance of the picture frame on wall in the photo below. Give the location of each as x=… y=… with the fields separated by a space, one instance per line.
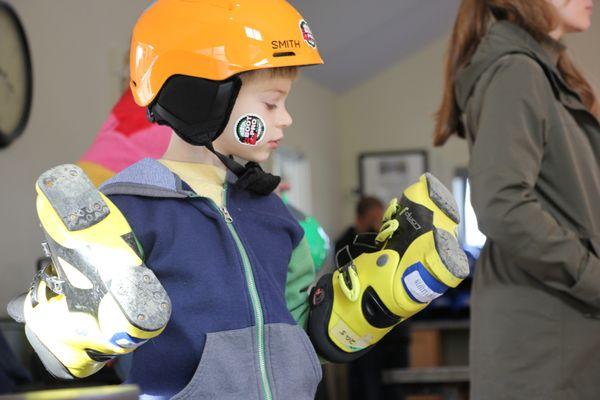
x=386 y=174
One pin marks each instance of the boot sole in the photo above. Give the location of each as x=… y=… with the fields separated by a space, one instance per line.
x=136 y=290
x=451 y=254
x=441 y=196
x=448 y=248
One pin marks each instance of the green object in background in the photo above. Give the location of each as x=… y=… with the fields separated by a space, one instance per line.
x=317 y=238
x=318 y=241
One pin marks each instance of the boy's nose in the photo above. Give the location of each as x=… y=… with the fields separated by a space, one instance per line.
x=285 y=119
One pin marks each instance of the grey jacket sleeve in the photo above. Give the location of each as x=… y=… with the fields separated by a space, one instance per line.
x=506 y=158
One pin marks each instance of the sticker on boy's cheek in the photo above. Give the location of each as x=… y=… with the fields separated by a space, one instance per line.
x=250 y=129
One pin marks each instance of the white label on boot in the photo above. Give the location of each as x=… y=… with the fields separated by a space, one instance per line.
x=351 y=339
x=418 y=289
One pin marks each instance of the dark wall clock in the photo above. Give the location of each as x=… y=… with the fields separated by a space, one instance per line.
x=15 y=76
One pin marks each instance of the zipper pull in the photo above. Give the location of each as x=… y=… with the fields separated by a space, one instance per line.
x=226 y=214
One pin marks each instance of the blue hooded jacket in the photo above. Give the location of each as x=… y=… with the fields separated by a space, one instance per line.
x=228 y=272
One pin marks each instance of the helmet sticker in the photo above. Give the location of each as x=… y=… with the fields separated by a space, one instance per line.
x=250 y=129
x=307 y=34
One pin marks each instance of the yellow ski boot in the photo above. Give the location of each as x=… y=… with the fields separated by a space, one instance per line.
x=96 y=299
x=418 y=258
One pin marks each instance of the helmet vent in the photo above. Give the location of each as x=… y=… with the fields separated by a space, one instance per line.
x=284 y=54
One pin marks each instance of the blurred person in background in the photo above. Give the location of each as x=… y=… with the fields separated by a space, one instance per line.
x=369 y=213
x=531 y=121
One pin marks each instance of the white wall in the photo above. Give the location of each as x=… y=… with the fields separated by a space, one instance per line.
x=77 y=49
x=394 y=111
x=314 y=133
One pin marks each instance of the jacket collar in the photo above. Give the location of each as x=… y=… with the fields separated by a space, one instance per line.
x=546 y=51
x=149 y=178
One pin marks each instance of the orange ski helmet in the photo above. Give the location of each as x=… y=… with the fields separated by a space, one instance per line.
x=215 y=39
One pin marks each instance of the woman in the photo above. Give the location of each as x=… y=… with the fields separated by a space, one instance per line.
x=531 y=121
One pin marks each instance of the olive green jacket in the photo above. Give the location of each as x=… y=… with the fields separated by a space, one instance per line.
x=535 y=187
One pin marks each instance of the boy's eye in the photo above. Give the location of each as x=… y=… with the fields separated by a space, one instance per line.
x=271 y=106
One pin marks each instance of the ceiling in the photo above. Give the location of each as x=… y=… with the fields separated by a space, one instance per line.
x=359 y=38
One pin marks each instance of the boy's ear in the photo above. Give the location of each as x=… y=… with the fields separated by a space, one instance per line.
x=197 y=109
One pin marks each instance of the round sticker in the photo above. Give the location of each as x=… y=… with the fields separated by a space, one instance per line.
x=250 y=129
x=307 y=34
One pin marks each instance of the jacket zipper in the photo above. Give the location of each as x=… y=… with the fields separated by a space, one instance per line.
x=255 y=299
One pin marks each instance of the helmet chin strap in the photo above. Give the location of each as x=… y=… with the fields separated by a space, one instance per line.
x=251 y=177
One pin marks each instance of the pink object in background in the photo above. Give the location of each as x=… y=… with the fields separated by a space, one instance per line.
x=125 y=138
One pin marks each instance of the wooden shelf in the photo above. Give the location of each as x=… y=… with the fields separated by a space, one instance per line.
x=433 y=375
x=442 y=324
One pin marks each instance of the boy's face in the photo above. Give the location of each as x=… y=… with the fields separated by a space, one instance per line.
x=258 y=118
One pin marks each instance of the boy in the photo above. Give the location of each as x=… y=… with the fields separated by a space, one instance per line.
x=232 y=259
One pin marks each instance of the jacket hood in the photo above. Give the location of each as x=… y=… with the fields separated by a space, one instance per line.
x=504 y=38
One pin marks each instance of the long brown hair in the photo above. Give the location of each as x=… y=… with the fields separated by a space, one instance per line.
x=538 y=17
